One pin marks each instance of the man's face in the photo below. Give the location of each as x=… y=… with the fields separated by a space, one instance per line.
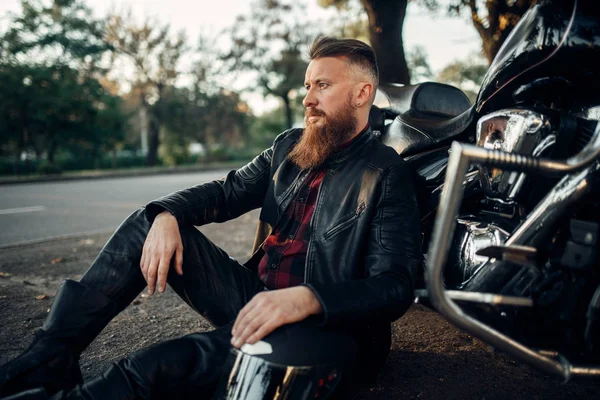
x=329 y=86
x=330 y=117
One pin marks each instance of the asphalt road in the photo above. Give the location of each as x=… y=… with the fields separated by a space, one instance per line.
x=38 y=211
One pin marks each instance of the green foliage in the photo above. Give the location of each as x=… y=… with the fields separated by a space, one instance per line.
x=269 y=44
x=47 y=168
x=46 y=108
x=265 y=128
x=54 y=32
x=467 y=75
x=60 y=110
x=50 y=95
x=67 y=161
x=151 y=51
x=420 y=71
x=493 y=19
x=351 y=20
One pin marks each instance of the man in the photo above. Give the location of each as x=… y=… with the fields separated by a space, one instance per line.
x=338 y=238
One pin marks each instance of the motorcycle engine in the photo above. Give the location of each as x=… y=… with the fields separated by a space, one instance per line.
x=470 y=236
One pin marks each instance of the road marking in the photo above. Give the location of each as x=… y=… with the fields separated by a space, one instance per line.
x=22 y=210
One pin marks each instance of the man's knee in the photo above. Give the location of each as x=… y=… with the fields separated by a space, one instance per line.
x=130 y=236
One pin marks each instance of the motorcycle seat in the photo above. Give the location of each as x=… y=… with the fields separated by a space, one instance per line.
x=428 y=114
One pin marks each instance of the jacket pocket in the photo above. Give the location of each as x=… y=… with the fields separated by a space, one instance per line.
x=345 y=223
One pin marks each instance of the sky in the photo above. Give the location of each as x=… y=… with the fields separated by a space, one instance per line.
x=444 y=39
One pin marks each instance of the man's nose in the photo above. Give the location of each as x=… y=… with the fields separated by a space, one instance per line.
x=309 y=100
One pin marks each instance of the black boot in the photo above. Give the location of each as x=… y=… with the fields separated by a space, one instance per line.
x=178 y=369
x=76 y=317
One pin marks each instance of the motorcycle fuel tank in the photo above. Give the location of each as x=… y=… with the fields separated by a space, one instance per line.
x=552 y=54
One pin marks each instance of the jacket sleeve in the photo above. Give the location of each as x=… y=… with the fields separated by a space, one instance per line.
x=392 y=258
x=238 y=192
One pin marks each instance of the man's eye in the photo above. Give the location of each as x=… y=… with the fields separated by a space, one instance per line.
x=307 y=87
x=323 y=85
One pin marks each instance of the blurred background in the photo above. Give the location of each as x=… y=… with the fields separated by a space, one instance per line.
x=94 y=85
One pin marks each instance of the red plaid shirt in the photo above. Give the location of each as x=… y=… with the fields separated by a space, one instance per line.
x=285 y=249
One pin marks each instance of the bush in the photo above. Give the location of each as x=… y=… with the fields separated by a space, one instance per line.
x=46 y=168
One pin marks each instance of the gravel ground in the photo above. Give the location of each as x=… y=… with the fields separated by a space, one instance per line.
x=430 y=359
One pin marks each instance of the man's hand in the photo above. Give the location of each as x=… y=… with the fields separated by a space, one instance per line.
x=268 y=311
x=162 y=242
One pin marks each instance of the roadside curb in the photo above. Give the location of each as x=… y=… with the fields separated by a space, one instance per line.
x=122 y=173
x=56 y=238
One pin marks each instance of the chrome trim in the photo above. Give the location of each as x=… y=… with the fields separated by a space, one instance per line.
x=582 y=166
x=522 y=255
x=490 y=298
x=541 y=147
x=566 y=192
x=549 y=353
x=513 y=131
x=590 y=372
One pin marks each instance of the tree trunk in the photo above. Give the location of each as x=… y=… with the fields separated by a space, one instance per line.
x=144 y=124
x=153 y=139
x=386 y=19
x=155 y=123
x=288 y=110
x=51 y=151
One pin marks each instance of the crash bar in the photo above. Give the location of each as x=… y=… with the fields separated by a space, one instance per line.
x=461 y=157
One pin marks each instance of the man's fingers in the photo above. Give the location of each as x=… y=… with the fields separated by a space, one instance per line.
x=264 y=330
x=242 y=317
x=239 y=318
x=142 y=260
x=249 y=329
x=144 y=263
x=179 y=260
x=163 y=271
x=151 y=275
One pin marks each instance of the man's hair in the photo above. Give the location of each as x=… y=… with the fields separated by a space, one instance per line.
x=357 y=53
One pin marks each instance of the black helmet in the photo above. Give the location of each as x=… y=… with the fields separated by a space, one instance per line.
x=296 y=362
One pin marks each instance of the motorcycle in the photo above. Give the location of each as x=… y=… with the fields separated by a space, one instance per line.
x=508 y=194
x=508 y=191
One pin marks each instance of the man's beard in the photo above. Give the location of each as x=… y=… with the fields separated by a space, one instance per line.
x=317 y=143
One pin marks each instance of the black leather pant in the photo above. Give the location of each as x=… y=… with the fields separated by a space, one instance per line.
x=214 y=284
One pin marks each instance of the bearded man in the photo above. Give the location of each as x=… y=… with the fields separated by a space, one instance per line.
x=337 y=241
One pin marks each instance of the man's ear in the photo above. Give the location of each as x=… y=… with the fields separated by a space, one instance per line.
x=365 y=92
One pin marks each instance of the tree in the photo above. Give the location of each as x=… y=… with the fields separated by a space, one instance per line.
x=418 y=65
x=268 y=46
x=154 y=56
x=386 y=20
x=55 y=32
x=50 y=95
x=46 y=108
x=493 y=19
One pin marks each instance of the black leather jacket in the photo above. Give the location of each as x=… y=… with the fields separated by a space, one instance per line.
x=365 y=233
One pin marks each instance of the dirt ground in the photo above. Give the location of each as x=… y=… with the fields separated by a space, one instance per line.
x=430 y=359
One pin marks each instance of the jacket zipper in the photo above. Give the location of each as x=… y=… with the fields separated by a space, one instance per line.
x=292 y=189
x=345 y=223
x=310 y=225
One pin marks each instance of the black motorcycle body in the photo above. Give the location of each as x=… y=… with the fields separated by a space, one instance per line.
x=520 y=253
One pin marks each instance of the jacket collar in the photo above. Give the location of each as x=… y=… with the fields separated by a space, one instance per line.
x=349 y=151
